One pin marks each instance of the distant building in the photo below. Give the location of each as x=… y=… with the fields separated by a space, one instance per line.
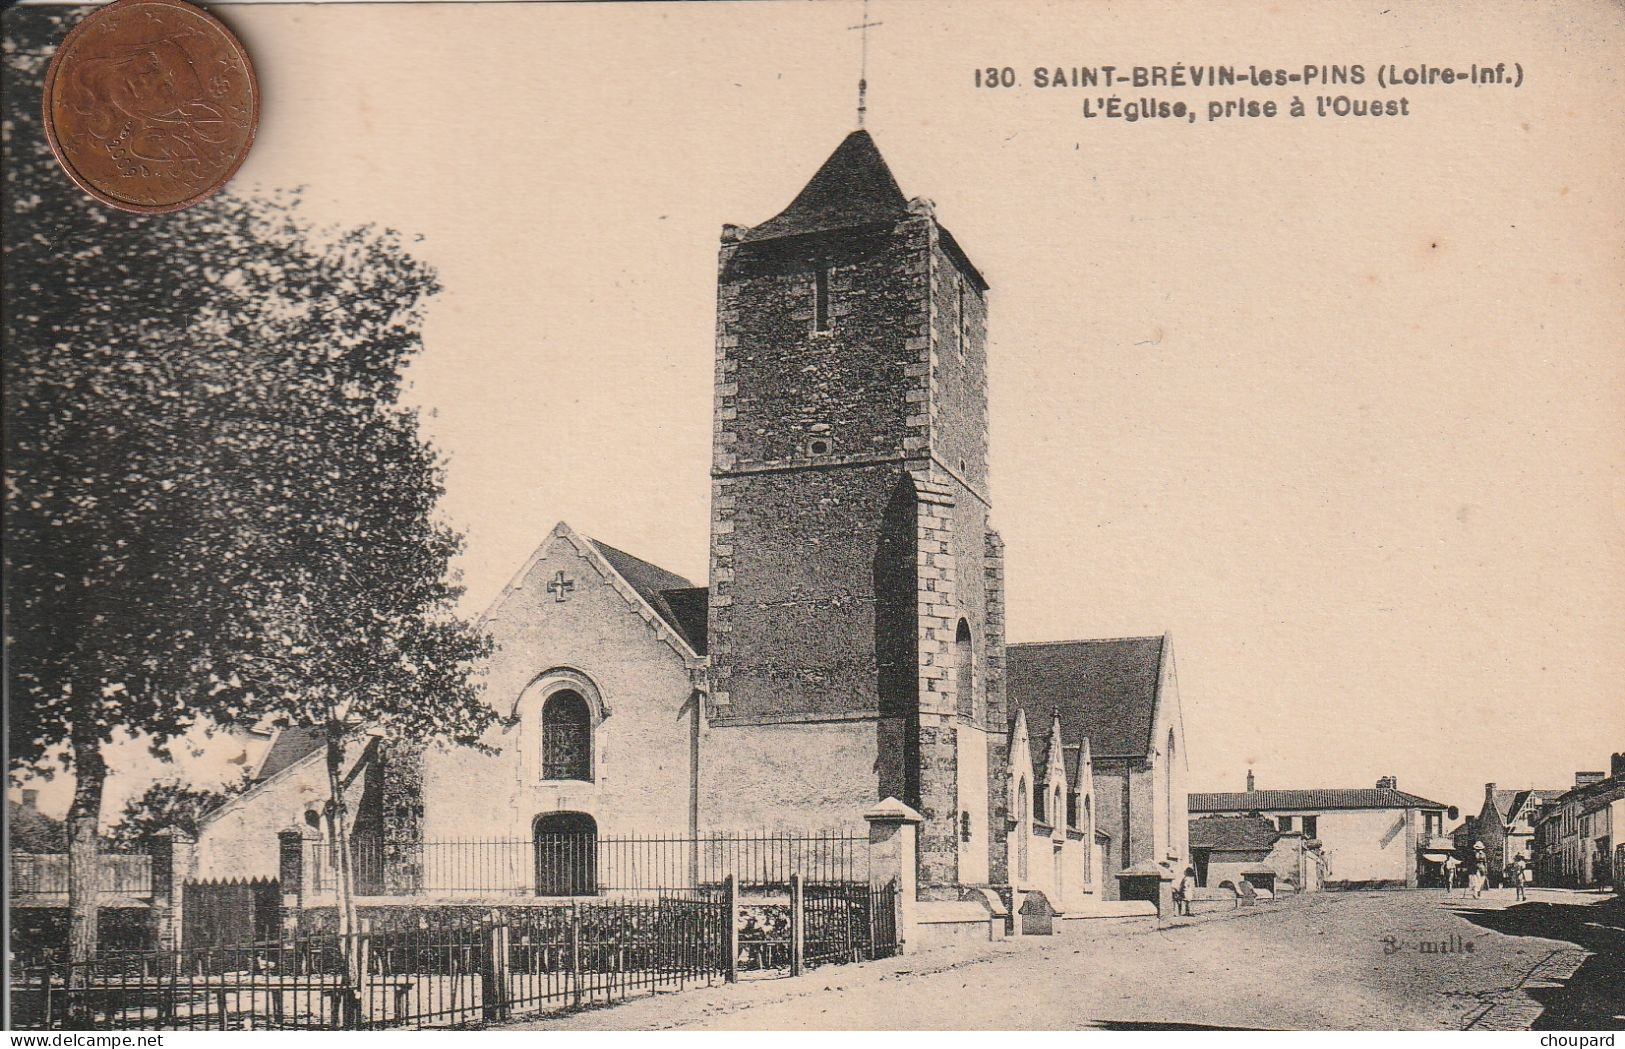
x=1506 y=825
x=1576 y=836
x=30 y=830
x=1377 y=837
x=1226 y=849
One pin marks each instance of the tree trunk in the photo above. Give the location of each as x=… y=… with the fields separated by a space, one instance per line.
x=344 y=873
x=84 y=867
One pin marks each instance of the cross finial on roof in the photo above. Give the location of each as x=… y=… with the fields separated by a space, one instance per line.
x=863 y=28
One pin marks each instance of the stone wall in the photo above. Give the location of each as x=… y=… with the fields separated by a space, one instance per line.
x=602 y=643
x=812 y=594
x=796 y=778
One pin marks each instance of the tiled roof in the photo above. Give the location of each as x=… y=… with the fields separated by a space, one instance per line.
x=1233 y=833
x=853 y=188
x=669 y=594
x=1106 y=691
x=1329 y=798
x=291 y=745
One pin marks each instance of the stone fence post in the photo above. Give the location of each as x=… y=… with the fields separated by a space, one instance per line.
x=894 y=830
x=295 y=877
x=174 y=861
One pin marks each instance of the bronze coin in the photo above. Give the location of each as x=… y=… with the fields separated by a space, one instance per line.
x=151 y=105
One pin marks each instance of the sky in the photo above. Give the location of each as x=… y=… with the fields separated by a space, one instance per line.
x=1335 y=403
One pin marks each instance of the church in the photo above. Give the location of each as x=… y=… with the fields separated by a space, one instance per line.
x=849 y=645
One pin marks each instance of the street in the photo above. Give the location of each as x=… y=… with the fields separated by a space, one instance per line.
x=1383 y=960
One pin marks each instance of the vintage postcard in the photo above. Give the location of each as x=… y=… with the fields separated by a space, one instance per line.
x=796 y=516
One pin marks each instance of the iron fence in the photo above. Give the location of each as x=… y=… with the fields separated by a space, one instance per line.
x=578 y=865
x=457 y=970
x=47 y=874
x=448 y=967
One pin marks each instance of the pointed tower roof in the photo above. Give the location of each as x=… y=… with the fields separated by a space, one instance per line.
x=853 y=188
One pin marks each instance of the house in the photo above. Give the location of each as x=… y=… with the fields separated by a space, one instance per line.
x=1575 y=843
x=1226 y=849
x=1379 y=837
x=846 y=648
x=1506 y=826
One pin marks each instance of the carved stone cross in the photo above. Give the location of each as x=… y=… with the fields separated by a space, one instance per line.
x=560 y=587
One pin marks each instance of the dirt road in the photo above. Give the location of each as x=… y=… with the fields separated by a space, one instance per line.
x=1408 y=960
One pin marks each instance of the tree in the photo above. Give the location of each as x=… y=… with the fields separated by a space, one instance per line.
x=217 y=507
x=167 y=805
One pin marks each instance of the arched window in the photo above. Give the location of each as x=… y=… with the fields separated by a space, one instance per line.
x=1088 y=829
x=1023 y=831
x=966 y=680
x=566 y=736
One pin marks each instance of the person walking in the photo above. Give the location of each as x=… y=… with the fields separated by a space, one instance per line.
x=1520 y=874
x=1184 y=891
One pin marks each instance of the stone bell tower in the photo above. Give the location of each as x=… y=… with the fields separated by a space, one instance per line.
x=857 y=606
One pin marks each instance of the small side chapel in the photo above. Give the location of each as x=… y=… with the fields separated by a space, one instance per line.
x=849 y=644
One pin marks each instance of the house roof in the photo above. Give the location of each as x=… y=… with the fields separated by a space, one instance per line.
x=676 y=600
x=291 y=746
x=30 y=830
x=1106 y=691
x=1604 y=794
x=1510 y=802
x=1233 y=833
x=1323 y=798
x=854 y=187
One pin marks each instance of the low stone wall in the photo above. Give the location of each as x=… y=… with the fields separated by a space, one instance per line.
x=941 y=923
x=1104 y=913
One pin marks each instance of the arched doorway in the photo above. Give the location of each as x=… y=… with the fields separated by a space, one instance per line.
x=566 y=854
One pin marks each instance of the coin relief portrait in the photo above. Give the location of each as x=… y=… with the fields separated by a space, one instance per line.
x=151 y=105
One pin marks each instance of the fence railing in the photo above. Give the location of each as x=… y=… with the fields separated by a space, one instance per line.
x=568 y=865
x=47 y=873
x=440 y=967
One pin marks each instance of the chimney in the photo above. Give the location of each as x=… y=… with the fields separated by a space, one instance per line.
x=1583 y=778
x=1250 y=787
x=1616 y=766
x=1489 y=790
x=30 y=801
x=1388 y=783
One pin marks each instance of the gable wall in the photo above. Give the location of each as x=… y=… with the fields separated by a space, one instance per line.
x=641 y=751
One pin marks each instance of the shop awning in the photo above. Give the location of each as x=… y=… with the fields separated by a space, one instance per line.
x=1436 y=857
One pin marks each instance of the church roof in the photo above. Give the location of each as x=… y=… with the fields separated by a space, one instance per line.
x=853 y=188
x=1106 y=691
x=1322 y=798
x=676 y=600
x=291 y=745
x=689 y=607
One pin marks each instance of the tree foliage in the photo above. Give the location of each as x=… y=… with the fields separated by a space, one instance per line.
x=218 y=508
x=167 y=805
